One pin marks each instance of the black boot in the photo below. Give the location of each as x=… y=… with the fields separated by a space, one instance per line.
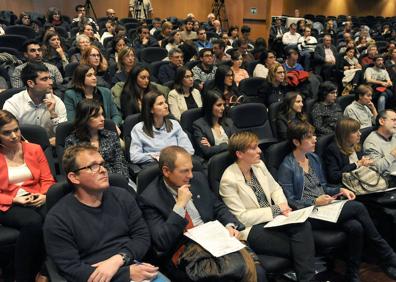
x=352 y=272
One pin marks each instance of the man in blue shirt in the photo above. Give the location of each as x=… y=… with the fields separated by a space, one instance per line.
x=202 y=42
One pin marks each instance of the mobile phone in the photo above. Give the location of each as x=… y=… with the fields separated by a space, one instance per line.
x=336 y=195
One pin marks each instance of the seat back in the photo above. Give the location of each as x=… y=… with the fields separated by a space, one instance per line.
x=7 y=94
x=38 y=135
x=153 y=54
x=251 y=88
x=13 y=41
x=322 y=143
x=252 y=117
x=344 y=101
x=186 y=122
x=216 y=167
x=365 y=132
x=129 y=122
x=145 y=177
x=154 y=67
x=274 y=155
x=26 y=31
x=251 y=66
x=63 y=130
x=272 y=116
x=308 y=105
x=69 y=69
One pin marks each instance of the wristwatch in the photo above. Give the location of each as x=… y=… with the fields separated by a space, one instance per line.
x=125 y=258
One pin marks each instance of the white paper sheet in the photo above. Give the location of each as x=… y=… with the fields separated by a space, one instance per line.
x=329 y=212
x=214 y=238
x=297 y=216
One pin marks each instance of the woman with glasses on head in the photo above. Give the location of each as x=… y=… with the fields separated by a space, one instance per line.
x=174 y=40
x=126 y=62
x=156 y=131
x=326 y=111
x=239 y=73
x=277 y=85
x=302 y=178
x=184 y=96
x=290 y=111
x=25 y=177
x=88 y=127
x=266 y=60
x=84 y=86
x=95 y=59
x=213 y=130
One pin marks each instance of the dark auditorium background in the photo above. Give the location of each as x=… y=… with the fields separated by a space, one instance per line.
x=258 y=22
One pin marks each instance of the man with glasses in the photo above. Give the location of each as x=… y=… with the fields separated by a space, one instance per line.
x=202 y=42
x=144 y=39
x=34 y=54
x=96 y=232
x=167 y=72
x=205 y=70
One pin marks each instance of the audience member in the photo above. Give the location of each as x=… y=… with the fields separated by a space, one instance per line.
x=156 y=131
x=178 y=199
x=326 y=111
x=233 y=34
x=54 y=17
x=369 y=59
x=88 y=127
x=118 y=43
x=254 y=197
x=380 y=145
x=276 y=84
x=188 y=34
x=184 y=96
x=362 y=109
x=156 y=26
x=141 y=9
x=224 y=83
x=245 y=32
x=165 y=32
x=266 y=61
x=209 y=24
x=205 y=70
x=93 y=58
x=291 y=37
x=82 y=42
x=37 y=104
x=33 y=54
x=84 y=86
x=217 y=27
x=111 y=249
x=135 y=87
x=302 y=179
x=290 y=111
x=25 y=178
x=213 y=130
x=54 y=52
x=291 y=63
x=351 y=67
x=239 y=73
x=243 y=48
x=93 y=36
x=306 y=45
x=25 y=20
x=174 y=40
x=167 y=72
x=111 y=15
x=325 y=57
x=81 y=17
x=378 y=77
x=126 y=61
x=202 y=42
x=144 y=39
x=109 y=31
x=344 y=154
x=220 y=55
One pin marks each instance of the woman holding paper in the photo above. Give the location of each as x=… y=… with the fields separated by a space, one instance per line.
x=302 y=179
x=254 y=197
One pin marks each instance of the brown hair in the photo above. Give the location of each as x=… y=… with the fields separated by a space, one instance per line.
x=272 y=73
x=6 y=117
x=123 y=53
x=85 y=59
x=241 y=141
x=299 y=131
x=344 y=128
x=69 y=162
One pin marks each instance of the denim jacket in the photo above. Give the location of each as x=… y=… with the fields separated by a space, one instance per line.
x=291 y=178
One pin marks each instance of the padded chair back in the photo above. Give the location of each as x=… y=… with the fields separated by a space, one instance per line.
x=12 y=41
x=308 y=105
x=274 y=155
x=12 y=51
x=251 y=88
x=69 y=69
x=344 y=101
x=153 y=54
x=128 y=20
x=252 y=117
x=322 y=143
x=26 y=31
x=145 y=177
x=365 y=132
x=154 y=67
x=62 y=32
x=191 y=64
x=129 y=122
x=7 y=94
x=63 y=130
x=251 y=66
x=38 y=135
x=216 y=167
x=188 y=117
x=272 y=115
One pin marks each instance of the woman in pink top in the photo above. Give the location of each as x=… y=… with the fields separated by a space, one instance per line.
x=236 y=58
x=24 y=180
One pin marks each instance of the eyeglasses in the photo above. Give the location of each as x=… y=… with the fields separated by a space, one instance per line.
x=94 y=168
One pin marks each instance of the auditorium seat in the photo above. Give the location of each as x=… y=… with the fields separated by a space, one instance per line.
x=150 y=55
x=26 y=31
x=12 y=41
x=344 y=101
x=186 y=122
x=253 y=89
x=6 y=94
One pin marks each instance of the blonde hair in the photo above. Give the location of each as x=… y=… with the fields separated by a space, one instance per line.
x=241 y=141
x=272 y=73
x=123 y=53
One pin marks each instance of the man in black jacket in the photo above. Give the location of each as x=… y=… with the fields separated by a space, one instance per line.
x=96 y=232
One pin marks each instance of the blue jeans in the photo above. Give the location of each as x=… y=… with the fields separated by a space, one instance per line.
x=161 y=278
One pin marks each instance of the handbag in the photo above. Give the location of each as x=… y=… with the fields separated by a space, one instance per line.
x=364 y=180
x=200 y=265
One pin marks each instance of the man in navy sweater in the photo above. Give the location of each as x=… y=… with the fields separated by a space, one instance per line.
x=96 y=232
